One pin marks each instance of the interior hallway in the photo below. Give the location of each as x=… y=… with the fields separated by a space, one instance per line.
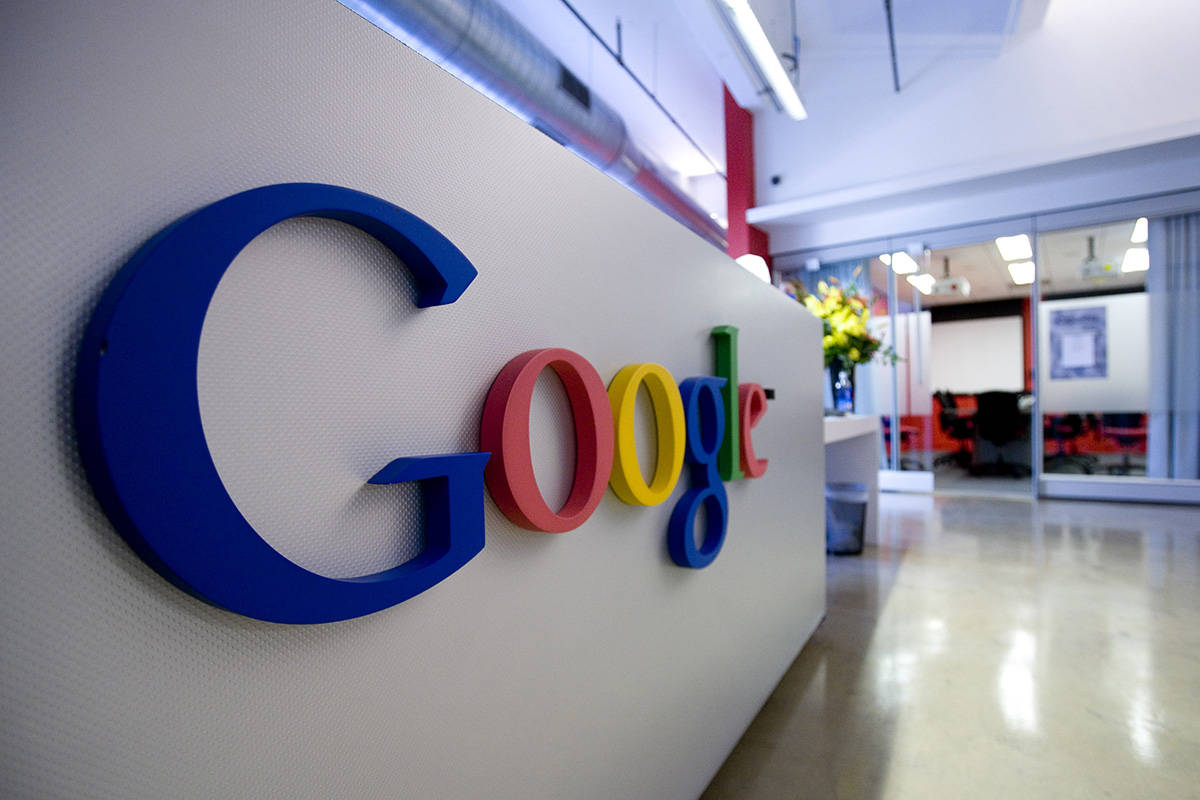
x=994 y=648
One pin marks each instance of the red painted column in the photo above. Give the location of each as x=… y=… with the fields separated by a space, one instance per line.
x=739 y=180
x=1027 y=342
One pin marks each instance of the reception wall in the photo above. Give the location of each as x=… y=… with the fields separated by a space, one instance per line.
x=577 y=665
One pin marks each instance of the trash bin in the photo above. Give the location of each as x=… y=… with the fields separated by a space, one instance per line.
x=845 y=514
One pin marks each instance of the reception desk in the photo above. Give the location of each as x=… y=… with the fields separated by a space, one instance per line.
x=623 y=673
x=852 y=456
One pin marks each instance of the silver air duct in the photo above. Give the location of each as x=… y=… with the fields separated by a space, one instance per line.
x=486 y=47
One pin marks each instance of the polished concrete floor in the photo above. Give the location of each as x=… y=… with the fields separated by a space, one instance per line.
x=994 y=648
x=951 y=479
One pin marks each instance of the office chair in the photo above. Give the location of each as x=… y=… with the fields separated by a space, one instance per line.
x=959 y=428
x=906 y=434
x=999 y=420
x=1063 y=428
x=1126 y=430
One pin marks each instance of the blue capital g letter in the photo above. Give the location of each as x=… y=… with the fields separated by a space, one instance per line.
x=137 y=414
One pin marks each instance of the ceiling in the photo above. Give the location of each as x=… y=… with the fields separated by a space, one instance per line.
x=1059 y=256
x=680 y=51
x=833 y=25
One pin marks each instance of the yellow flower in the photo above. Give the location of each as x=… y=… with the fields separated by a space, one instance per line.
x=855 y=355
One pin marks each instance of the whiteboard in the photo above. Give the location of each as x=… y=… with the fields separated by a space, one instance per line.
x=979 y=355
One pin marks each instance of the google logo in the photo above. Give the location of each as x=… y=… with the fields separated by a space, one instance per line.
x=143 y=447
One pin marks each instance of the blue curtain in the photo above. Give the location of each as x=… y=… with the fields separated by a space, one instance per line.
x=1173 y=284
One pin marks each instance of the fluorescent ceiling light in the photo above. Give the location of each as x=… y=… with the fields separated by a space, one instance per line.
x=1141 y=231
x=759 y=48
x=901 y=263
x=1137 y=259
x=1014 y=248
x=923 y=282
x=756 y=266
x=1021 y=272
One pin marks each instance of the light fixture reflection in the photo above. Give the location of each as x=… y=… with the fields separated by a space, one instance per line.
x=935 y=636
x=901 y=263
x=1142 y=726
x=923 y=282
x=1015 y=248
x=1015 y=687
x=1137 y=259
x=1022 y=272
x=894 y=676
x=1141 y=231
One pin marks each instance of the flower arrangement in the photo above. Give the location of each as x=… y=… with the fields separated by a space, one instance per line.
x=844 y=313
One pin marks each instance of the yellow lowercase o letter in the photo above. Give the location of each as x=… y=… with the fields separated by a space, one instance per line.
x=627 y=481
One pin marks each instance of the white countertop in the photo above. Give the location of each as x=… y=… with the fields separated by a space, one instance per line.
x=847 y=427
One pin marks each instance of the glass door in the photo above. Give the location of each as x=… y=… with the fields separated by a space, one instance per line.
x=977 y=288
x=894 y=389
x=904 y=326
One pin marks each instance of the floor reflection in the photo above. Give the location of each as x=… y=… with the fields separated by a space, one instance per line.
x=994 y=648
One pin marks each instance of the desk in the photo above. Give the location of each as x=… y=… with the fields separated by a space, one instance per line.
x=852 y=456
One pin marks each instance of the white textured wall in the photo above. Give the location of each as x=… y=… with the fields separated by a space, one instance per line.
x=580 y=665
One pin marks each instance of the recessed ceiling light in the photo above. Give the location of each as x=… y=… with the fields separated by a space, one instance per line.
x=923 y=282
x=1137 y=259
x=1141 y=231
x=902 y=263
x=1022 y=272
x=1014 y=248
x=756 y=266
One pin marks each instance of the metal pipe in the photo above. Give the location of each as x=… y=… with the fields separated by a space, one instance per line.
x=1037 y=444
x=893 y=297
x=618 y=55
x=485 y=46
x=887 y=7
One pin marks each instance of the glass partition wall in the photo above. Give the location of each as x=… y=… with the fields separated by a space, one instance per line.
x=1119 y=378
x=1053 y=355
x=1093 y=343
x=894 y=389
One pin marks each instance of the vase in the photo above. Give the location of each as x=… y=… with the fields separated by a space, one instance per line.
x=841 y=382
